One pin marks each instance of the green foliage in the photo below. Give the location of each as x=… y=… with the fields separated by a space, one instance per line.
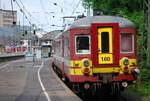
x=143 y=84
x=131 y=9
x=129 y=5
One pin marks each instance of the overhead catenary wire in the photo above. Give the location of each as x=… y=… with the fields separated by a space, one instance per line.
x=33 y=17
x=42 y=7
x=76 y=7
x=72 y=2
x=29 y=13
x=12 y=8
x=24 y=8
x=23 y=12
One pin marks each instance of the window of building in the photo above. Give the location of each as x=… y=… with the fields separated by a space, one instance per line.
x=82 y=44
x=9 y=21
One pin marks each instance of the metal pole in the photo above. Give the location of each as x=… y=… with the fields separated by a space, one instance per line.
x=0 y=4
x=142 y=52
x=88 y=10
x=30 y=39
x=148 y=36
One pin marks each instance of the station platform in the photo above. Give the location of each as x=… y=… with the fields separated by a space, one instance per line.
x=32 y=81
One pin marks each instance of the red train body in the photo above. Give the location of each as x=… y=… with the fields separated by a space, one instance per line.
x=97 y=51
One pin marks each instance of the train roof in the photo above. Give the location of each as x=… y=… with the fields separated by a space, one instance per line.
x=87 y=21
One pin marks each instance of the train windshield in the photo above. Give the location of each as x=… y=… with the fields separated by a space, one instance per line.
x=105 y=42
x=83 y=44
x=127 y=43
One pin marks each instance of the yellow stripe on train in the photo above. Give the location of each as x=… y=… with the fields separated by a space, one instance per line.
x=79 y=71
x=79 y=64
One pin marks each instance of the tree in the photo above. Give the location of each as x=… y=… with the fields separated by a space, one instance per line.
x=131 y=9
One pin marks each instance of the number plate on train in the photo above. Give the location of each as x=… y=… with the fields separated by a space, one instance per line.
x=105 y=59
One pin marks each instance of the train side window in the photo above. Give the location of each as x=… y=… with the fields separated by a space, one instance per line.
x=127 y=43
x=82 y=44
x=66 y=47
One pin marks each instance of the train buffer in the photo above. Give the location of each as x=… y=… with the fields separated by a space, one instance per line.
x=22 y=80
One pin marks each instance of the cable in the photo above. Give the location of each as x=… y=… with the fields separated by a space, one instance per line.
x=42 y=7
x=76 y=7
x=29 y=13
x=72 y=2
x=12 y=8
x=23 y=12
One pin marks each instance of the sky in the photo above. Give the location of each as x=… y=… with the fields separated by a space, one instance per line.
x=43 y=13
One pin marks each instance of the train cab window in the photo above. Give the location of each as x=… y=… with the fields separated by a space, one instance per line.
x=82 y=44
x=127 y=43
x=105 y=42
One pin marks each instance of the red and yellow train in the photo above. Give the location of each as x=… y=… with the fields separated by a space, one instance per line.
x=97 y=52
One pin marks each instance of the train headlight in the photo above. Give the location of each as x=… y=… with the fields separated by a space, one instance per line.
x=126 y=62
x=86 y=63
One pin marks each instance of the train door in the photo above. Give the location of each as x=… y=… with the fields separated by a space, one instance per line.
x=105 y=43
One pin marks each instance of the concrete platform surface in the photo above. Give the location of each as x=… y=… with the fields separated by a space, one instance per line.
x=20 y=81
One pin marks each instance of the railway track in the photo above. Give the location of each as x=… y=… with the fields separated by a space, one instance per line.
x=125 y=96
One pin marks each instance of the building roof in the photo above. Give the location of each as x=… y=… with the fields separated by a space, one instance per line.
x=87 y=21
x=51 y=35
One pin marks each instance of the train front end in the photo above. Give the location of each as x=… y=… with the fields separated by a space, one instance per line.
x=103 y=54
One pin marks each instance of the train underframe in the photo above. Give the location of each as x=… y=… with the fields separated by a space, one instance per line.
x=101 y=86
x=94 y=88
x=105 y=87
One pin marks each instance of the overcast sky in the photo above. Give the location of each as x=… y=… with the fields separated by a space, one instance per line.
x=44 y=12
